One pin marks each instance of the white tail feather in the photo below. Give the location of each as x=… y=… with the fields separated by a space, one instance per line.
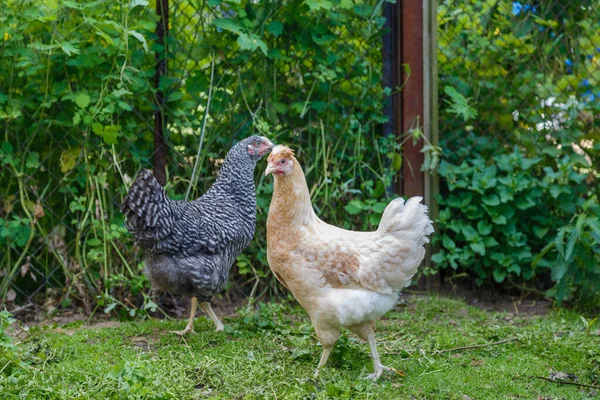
x=407 y=220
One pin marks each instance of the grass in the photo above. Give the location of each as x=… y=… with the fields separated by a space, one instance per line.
x=271 y=353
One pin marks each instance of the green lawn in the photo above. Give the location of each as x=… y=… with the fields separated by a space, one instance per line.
x=271 y=353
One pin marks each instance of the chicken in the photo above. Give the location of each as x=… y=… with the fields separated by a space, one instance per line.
x=341 y=278
x=190 y=246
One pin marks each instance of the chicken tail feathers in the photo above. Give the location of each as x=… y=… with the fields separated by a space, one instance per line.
x=407 y=220
x=145 y=208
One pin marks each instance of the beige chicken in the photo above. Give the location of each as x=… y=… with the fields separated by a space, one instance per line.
x=341 y=278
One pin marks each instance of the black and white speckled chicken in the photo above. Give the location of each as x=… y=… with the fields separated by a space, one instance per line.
x=190 y=246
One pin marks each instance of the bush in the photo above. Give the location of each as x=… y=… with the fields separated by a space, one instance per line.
x=77 y=102
x=519 y=124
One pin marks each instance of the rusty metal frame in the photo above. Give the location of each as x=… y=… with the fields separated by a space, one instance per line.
x=160 y=119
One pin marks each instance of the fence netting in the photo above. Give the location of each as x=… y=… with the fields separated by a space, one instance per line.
x=79 y=94
x=509 y=68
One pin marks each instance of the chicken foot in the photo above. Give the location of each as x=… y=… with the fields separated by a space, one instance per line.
x=205 y=306
x=190 y=325
x=366 y=331
x=377 y=365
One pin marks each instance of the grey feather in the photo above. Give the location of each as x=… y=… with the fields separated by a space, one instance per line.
x=190 y=246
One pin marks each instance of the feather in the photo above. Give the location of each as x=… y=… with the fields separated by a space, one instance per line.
x=190 y=246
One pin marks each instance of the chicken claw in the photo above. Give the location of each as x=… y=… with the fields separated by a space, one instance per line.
x=205 y=306
x=190 y=325
x=184 y=332
x=379 y=370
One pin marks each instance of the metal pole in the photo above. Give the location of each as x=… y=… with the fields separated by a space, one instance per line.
x=160 y=120
x=392 y=65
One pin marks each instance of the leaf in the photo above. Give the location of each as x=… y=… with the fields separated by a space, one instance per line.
x=6 y=147
x=33 y=160
x=571 y=241
x=490 y=241
x=438 y=258
x=524 y=202
x=124 y=106
x=540 y=231
x=346 y=4
x=558 y=271
x=484 y=227
x=499 y=275
x=68 y=159
x=82 y=99
x=251 y=42
x=275 y=28
x=559 y=240
x=354 y=207
x=448 y=243
x=109 y=133
x=469 y=232
x=316 y=5
x=135 y=3
x=140 y=38
x=459 y=104
x=499 y=219
x=379 y=207
x=120 y=92
x=228 y=24
x=104 y=36
x=556 y=190
x=396 y=160
x=491 y=200
x=68 y=48
x=478 y=248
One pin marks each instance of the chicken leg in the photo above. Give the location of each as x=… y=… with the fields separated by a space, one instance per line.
x=327 y=335
x=367 y=332
x=205 y=306
x=190 y=325
x=323 y=361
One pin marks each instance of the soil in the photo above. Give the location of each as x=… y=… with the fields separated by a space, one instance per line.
x=178 y=307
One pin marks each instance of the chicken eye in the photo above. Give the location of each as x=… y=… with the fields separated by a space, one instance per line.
x=257 y=143
x=282 y=162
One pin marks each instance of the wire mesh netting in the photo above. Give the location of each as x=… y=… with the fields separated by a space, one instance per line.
x=508 y=68
x=78 y=101
x=81 y=85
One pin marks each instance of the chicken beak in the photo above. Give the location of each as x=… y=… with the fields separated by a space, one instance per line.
x=268 y=146
x=270 y=169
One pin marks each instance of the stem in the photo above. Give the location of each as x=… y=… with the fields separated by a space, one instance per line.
x=6 y=281
x=196 y=162
x=101 y=206
x=566 y=382
x=477 y=346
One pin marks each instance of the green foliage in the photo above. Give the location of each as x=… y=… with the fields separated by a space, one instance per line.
x=77 y=102
x=519 y=200
x=11 y=363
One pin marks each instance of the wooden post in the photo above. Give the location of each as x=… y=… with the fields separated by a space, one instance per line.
x=160 y=120
x=411 y=31
x=409 y=61
x=411 y=38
